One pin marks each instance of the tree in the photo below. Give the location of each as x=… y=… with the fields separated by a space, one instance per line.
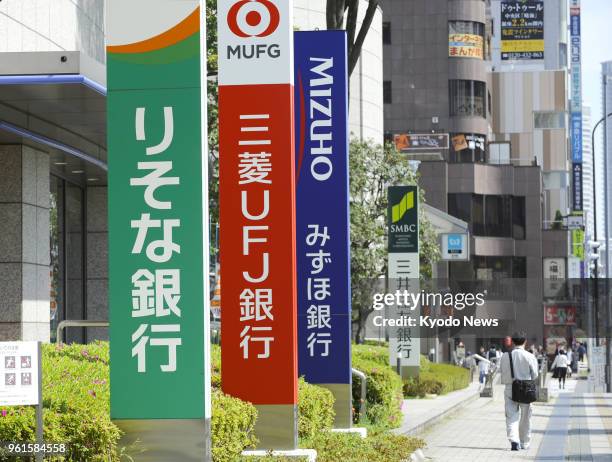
x=337 y=11
x=372 y=169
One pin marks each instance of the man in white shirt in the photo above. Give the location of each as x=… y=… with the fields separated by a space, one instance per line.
x=518 y=415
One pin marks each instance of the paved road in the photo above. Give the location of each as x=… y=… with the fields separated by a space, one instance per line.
x=574 y=425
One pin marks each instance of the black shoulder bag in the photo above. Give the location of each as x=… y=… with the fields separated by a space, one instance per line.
x=523 y=391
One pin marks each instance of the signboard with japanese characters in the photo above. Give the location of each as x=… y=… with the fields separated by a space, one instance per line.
x=465 y=46
x=257 y=202
x=19 y=374
x=404 y=268
x=522 y=30
x=421 y=142
x=560 y=315
x=158 y=231
x=576 y=105
x=322 y=233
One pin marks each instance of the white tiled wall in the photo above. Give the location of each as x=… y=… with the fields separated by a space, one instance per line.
x=53 y=25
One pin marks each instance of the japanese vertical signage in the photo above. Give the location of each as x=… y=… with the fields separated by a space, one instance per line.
x=522 y=29
x=404 y=267
x=323 y=260
x=257 y=201
x=157 y=210
x=576 y=105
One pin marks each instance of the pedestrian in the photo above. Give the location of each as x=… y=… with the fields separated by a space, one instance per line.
x=581 y=352
x=570 y=359
x=560 y=367
x=518 y=365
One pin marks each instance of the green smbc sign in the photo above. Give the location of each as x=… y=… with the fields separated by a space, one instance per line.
x=158 y=241
x=403 y=219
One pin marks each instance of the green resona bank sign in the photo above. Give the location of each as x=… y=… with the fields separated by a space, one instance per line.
x=157 y=210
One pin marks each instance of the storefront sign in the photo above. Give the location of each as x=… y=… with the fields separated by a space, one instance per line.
x=19 y=378
x=522 y=30
x=455 y=246
x=578 y=244
x=465 y=46
x=257 y=201
x=463 y=141
x=576 y=105
x=158 y=213
x=420 y=142
x=322 y=233
x=560 y=315
x=554 y=269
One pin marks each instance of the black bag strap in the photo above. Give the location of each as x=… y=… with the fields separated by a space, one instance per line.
x=511 y=366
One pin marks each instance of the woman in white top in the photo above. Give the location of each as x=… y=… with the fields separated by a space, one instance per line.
x=559 y=365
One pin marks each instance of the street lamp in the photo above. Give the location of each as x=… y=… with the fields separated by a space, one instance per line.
x=596 y=270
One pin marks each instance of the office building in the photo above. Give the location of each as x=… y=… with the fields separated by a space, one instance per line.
x=505 y=169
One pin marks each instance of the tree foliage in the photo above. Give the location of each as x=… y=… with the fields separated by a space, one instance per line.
x=343 y=14
x=372 y=169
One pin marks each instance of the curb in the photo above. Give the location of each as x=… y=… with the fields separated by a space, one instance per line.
x=414 y=431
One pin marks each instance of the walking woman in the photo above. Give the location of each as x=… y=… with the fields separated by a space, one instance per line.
x=559 y=366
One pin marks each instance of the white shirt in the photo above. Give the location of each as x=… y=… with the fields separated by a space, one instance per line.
x=525 y=366
x=560 y=361
x=569 y=356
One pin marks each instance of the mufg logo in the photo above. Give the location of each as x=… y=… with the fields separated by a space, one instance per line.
x=249 y=19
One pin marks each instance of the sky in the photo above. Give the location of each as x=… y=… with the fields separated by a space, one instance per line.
x=596 y=47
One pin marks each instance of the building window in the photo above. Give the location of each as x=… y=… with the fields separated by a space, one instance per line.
x=467 y=148
x=387 y=92
x=67 y=256
x=386 y=33
x=548 y=120
x=499 y=153
x=490 y=215
x=467 y=98
x=466 y=39
x=518 y=217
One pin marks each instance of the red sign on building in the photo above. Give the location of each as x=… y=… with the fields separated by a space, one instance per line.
x=560 y=315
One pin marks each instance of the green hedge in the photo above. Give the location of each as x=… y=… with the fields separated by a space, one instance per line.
x=377 y=353
x=77 y=411
x=232 y=427
x=437 y=379
x=315 y=409
x=383 y=393
x=382 y=447
x=75 y=402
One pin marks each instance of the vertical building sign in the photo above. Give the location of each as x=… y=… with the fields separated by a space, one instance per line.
x=158 y=236
x=576 y=105
x=404 y=268
x=323 y=260
x=257 y=212
x=522 y=29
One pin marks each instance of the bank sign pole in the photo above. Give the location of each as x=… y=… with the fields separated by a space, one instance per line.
x=257 y=213
x=322 y=214
x=158 y=220
x=404 y=273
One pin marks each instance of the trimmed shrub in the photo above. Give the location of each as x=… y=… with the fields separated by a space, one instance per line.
x=75 y=402
x=437 y=379
x=377 y=353
x=315 y=409
x=383 y=447
x=77 y=409
x=383 y=393
x=232 y=427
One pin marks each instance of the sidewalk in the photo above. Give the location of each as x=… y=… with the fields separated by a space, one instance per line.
x=421 y=414
x=573 y=425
